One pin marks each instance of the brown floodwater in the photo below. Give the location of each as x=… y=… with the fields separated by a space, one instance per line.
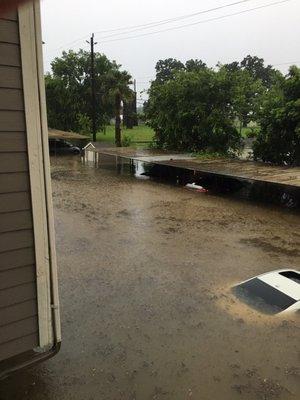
x=146 y=271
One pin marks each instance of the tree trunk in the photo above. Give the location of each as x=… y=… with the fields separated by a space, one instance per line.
x=134 y=111
x=127 y=114
x=118 y=140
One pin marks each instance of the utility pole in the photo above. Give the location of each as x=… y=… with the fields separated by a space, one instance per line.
x=93 y=88
x=135 y=118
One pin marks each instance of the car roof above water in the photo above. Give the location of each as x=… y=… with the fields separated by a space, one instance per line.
x=272 y=292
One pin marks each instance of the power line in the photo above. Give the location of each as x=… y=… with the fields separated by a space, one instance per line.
x=166 y=21
x=170 y=20
x=134 y=28
x=68 y=44
x=198 y=22
x=183 y=26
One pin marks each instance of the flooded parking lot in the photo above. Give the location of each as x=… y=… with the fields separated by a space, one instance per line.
x=146 y=272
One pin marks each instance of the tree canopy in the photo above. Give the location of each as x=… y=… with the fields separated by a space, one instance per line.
x=68 y=90
x=279 y=118
x=193 y=107
x=193 y=111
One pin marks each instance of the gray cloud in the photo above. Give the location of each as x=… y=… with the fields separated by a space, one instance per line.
x=272 y=33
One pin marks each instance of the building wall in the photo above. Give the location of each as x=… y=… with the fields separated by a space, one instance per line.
x=18 y=293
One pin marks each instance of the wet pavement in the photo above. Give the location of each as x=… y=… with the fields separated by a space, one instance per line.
x=146 y=271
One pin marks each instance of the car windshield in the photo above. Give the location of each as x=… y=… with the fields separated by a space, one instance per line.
x=263 y=296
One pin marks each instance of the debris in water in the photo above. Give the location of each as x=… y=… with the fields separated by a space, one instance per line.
x=288 y=200
x=198 y=188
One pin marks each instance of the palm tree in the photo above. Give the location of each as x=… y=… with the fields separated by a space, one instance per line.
x=119 y=91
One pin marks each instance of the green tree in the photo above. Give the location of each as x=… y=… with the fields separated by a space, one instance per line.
x=166 y=69
x=61 y=105
x=252 y=78
x=232 y=67
x=68 y=90
x=279 y=118
x=119 y=92
x=194 y=112
x=195 y=65
x=258 y=70
x=246 y=96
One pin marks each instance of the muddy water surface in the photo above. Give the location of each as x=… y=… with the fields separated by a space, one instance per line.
x=146 y=271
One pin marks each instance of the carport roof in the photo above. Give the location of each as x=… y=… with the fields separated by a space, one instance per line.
x=57 y=134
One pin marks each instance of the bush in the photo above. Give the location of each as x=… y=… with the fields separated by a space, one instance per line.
x=126 y=141
x=193 y=112
x=279 y=138
x=252 y=132
x=84 y=123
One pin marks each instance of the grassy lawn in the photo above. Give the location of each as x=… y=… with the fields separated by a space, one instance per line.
x=143 y=133
x=140 y=133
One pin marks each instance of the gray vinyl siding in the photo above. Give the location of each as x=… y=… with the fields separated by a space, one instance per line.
x=18 y=297
x=15 y=221
x=22 y=344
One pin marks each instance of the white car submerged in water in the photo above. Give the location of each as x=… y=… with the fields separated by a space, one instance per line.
x=273 y=292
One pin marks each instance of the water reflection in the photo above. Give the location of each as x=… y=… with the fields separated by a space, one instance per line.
x=258 y=191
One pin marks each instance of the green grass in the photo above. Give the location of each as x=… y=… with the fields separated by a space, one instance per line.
x=140 y=133
x=143 y=133
x=210 y=156
x=252 y=130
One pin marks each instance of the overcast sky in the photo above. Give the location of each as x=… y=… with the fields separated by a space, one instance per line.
x=272 y=33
